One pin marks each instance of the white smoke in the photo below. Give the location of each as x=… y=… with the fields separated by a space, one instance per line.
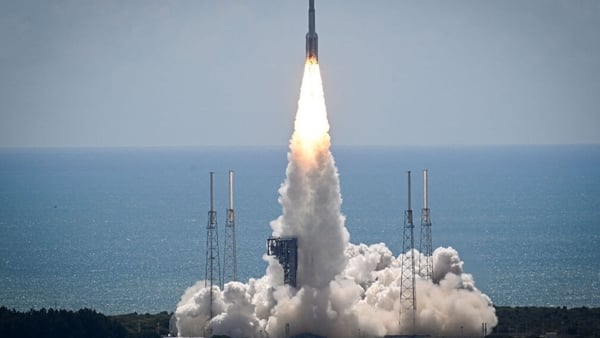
x=363 y=298
x=343 y=289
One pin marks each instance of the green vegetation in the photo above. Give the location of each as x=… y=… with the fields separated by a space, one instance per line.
x=145 y=325
x=58 y=323
x=512 y=322
x=82 y=323
x=535 y=321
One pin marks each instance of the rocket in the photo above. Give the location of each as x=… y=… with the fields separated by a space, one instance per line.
x=312 y=40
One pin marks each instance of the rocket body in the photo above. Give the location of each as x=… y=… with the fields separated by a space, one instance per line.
x=312 y=40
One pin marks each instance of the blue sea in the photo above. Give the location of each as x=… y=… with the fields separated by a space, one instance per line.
x=123 y=230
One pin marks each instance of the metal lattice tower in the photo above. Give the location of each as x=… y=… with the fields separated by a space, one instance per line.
x=212 y=271
x=286 y=251
x=425 y=246
x=407 y=278
x=229 y=250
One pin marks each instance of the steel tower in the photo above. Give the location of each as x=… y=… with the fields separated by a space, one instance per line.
x=212 y=271
x=229 y=250
x=425 y=246
x=407 y=278
x=286 y=251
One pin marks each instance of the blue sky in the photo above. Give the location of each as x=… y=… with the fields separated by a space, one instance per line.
x=105 y=73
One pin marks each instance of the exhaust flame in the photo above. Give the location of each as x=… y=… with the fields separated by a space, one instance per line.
x=344 y=290
x=310 y=196
x=311 y=126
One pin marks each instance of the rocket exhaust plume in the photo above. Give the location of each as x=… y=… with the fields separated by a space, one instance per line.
x=343 y=289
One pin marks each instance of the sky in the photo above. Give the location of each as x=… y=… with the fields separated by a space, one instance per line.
x=102 y=73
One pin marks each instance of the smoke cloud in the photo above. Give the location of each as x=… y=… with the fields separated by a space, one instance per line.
x=344 y=289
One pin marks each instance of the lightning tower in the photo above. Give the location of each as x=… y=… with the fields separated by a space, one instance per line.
x=407 y=280
x=425 y=246
x=212 y=271
x=229 y=250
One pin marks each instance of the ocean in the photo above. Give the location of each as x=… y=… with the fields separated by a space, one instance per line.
x=123 y=230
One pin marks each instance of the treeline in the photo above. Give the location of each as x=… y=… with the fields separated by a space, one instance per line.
x=58 y=323
x=50 y=323
x=85 y=323
x=145 y=325
x=537 y=321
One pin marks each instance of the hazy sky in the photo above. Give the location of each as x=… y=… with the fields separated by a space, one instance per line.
x=196 y=73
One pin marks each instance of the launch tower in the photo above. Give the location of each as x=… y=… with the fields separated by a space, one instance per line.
x=212 y=268
x=286 y=251
x=407 y=278
x=425 y=246
x=229 y=250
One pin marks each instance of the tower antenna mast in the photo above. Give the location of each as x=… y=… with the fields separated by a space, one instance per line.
x=408 y=304
x=425 y=246
x=212 y=271
x=230 y=254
